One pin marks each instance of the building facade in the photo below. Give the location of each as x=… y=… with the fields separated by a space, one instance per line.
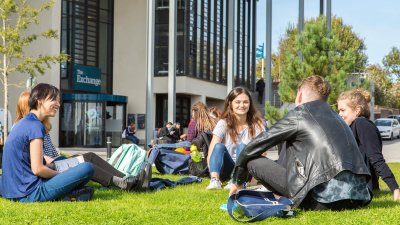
x=104 y=84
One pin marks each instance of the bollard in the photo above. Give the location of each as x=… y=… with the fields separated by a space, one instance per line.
x=109 y=144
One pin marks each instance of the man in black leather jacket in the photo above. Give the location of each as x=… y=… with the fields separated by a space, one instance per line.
x=323 y=168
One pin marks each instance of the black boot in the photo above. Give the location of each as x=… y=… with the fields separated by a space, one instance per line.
x=143 y=179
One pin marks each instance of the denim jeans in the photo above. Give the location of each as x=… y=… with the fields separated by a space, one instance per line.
x=61 y=184
x=221 y=162
x=133 y=139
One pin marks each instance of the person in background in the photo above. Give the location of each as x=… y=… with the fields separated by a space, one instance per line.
x=215 y=112
x=130 y=132
x=1 y=144
x=167 y=133
x=324 y=169
x=201 y=121
x=25 y=177
x=178 y=134
x=239 y=124
x=104 y=173
x=260 y=88
x=353 y=107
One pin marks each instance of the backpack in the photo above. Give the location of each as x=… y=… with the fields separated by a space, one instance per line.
x=202 y=142
x=129 y=159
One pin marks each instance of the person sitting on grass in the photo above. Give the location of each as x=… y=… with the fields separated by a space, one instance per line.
x=167 y=133
x=25 y=177
x=104 y=173
x=353 y=107
x=201 y=121
x=239 y=124
x=323 y=169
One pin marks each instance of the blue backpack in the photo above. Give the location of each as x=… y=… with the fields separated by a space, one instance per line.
x=129 y=159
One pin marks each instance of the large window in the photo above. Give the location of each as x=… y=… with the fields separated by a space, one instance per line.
x=202 y=40
x=182 y=110
x=87 y=36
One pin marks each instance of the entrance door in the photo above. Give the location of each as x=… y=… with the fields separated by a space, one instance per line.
x=93 y=126
x=115 y=122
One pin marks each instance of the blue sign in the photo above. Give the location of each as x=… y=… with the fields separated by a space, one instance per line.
x=260 y=51
x=87 y=78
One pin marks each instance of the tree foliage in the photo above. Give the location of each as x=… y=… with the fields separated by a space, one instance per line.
x=18 y=19
x=382 y=84
x=334 y=56
x=391 y=63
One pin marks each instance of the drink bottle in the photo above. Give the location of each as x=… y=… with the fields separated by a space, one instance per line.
x=195 y=154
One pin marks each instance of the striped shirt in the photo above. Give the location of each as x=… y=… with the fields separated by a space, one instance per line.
x=48 y=147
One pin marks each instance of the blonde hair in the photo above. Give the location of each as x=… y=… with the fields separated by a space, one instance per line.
x=317 y=85
x=23 y=109
x=204 y=122
x=357 y=98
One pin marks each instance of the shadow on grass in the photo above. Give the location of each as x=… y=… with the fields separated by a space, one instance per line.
x=382 y=199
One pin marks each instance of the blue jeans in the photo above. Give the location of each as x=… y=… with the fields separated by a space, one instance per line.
x=221 y=162
x=133 y=139
x=61 y=184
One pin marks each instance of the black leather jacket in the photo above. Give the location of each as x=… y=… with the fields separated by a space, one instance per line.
x=319 y=145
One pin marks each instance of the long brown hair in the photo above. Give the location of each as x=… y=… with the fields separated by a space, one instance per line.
x=23 y=109
x=253 y=117
x=204 y=122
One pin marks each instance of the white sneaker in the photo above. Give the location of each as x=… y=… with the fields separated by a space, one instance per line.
x=214 y=184
x=228 y=185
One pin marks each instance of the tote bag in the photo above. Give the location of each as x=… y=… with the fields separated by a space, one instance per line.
x=251 y=206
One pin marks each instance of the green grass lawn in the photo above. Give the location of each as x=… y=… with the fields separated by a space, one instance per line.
x=190 y=204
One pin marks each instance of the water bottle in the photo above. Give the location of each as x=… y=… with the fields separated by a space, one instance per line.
x=195 y=154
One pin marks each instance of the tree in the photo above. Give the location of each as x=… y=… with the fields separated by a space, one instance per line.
x=16 y=17
x=391 y=62
x=333 y=55
x=259 y=69
x=382 y=84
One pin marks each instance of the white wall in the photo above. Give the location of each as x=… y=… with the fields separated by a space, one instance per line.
x=130 y=54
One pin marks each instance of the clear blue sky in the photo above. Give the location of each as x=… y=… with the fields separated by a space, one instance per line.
x=377 y=22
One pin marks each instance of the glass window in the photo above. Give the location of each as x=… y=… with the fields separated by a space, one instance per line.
x=86 y=35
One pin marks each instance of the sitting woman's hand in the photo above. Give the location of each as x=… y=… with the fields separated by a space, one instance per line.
x=235 y=188
x=396 y=195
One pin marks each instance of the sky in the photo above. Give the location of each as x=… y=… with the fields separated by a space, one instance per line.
x=377 y=22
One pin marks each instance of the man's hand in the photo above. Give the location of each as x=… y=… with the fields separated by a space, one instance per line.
x=235 y=188
x=396 y=195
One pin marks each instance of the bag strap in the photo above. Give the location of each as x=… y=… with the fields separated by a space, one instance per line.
x=282 y=203
x=206 y=139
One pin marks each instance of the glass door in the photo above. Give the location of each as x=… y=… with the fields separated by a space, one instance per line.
x=93 y=126
x=115 y=122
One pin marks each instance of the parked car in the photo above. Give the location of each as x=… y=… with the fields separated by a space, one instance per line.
x=397 y=117
x=388 y=127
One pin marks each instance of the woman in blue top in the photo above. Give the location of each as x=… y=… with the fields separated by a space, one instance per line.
x=25 y=177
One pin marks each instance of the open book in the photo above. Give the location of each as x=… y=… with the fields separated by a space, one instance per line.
x=65 y=164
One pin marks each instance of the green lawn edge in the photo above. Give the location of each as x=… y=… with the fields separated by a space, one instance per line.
x=190 y=204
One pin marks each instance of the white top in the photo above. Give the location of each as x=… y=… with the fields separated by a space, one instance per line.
x=220 y=130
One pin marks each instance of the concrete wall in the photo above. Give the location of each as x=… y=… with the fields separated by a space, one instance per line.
x=130 y=54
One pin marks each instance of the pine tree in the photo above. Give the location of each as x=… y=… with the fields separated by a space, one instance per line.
x=334 y=56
